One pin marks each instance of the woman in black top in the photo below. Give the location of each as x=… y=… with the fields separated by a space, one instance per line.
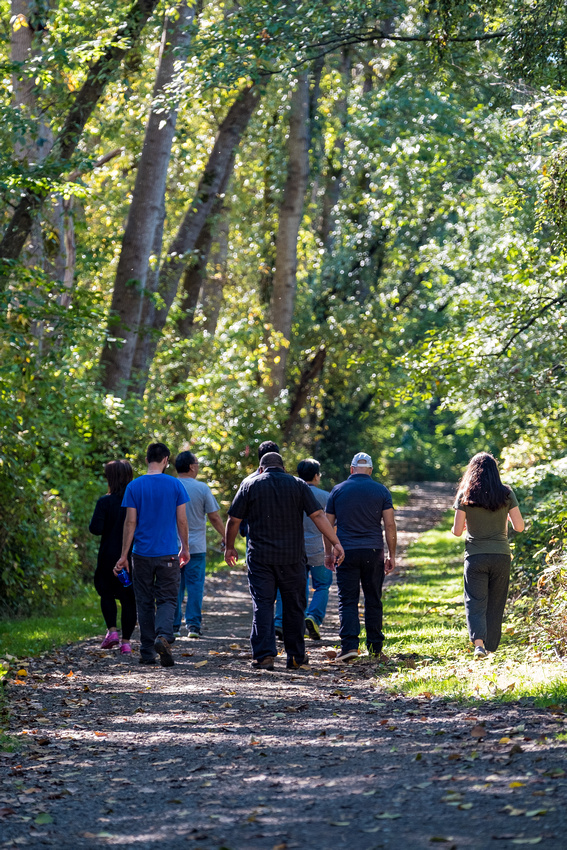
x=108 y=521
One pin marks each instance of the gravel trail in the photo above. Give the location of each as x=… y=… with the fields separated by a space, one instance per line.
x=210 y=754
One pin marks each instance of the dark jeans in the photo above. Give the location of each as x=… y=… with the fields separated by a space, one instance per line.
x=156 y=582
x=264 y=580
x=361 y=567
x=486 y=589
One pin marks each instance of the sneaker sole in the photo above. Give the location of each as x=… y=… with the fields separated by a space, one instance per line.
x=344 y=659
x=164 y=652
x=312 y=630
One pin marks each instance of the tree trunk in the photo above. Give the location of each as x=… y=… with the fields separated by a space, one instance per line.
x=103 y=70
x=213 y=288
x=334 y=170
x=310 y=372
x=216 y=176
x=213 y=184
x=290 y=215
x=144 y=212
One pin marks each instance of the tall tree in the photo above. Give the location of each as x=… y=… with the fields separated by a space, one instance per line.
x=147 y=202
x=289 y=220
x=84 y=103
x=212 y=185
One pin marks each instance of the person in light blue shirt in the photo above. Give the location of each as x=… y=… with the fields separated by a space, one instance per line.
x=155 y=515
x=202 y=504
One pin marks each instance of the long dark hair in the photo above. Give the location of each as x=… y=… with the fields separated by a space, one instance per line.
x=480 y=486
x=118 y=473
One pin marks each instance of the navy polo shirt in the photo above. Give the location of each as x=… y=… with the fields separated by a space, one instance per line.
x=358 y=503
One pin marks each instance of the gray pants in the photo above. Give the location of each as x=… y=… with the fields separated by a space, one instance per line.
x=486 y=589
x=156 y=583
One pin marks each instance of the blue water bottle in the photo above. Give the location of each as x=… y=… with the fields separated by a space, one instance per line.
x=124 y=577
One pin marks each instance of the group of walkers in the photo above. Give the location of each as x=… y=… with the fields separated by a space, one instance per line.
x=153 y=529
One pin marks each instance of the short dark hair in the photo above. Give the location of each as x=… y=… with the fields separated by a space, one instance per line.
x=184 y=460
x=308 y=469
x=118 y=473
x=267 y=446
x=156 y=452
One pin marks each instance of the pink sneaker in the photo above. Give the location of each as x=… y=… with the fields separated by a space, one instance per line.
x=110 y=640
x=125 y=648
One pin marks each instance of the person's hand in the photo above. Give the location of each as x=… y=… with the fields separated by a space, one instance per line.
x=121 y=564
x=339 y=553
x=231 y=557
x=184 y=556
x=389 y=565
x=330 y=562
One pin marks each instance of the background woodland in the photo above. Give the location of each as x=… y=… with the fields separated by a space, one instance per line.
x=340 y=225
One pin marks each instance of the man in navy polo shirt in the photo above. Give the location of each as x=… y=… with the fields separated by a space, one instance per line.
x=359 y=505
x=155 y=514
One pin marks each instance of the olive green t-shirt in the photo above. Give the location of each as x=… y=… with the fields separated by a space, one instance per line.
x=487 y=531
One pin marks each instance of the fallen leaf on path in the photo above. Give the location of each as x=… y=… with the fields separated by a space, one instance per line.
x=6 y=810
x=213 y=652
x=279 y=846
x=527 y=840
x=44 y=817
x=23 y=673
x=505 y=740
x=387 y=816
x=201 y=663
x=516 y=784
x=185 y=655
x=515 y=749
x=102 y=734
x=69 y=675
x=339 y=822
x=478 y=731
x=236 y=646
x=536 y=812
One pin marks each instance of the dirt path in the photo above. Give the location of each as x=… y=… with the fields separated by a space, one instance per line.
x=213 y=755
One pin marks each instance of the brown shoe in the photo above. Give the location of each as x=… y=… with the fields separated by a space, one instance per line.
x=266 y=663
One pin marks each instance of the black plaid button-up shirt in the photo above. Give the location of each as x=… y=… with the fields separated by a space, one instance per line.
x=273 y=503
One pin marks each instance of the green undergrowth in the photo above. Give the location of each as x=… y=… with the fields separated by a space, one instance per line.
x=400 y=495
x=428 y=643
x=75 y=620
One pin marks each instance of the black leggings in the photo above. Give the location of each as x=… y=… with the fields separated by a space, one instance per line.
x=128 y=614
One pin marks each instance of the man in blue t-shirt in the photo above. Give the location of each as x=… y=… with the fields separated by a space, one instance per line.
x=155 y=515
x=359 y=505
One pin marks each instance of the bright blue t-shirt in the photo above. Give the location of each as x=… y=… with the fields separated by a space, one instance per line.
x=156 y=498
x=357 y=504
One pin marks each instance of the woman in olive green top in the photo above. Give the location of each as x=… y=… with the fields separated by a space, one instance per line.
x=483 y=506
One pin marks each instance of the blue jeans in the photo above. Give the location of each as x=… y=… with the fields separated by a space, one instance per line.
x=321 y=579
x=192 y=580
x=361 y=567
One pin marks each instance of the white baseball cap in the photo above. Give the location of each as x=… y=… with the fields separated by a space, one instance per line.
x=361 y=459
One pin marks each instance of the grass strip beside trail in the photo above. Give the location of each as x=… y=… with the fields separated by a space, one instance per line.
x=75 y=620
x=427 y=638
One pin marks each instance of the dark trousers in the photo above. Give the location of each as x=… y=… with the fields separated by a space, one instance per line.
x=361 y=567
x=264 y=580
x=128 y=615
x=486 y=589
x=156 y=582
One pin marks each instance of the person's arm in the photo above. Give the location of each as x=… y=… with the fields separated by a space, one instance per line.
x=230 y=553
x=130 y=524
x=329 y=557
x=183 y=532
x=516 y=519
x=216 y=522
x=329 y=538
x=391 y=533
x=96 y=525
x=459 y=523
